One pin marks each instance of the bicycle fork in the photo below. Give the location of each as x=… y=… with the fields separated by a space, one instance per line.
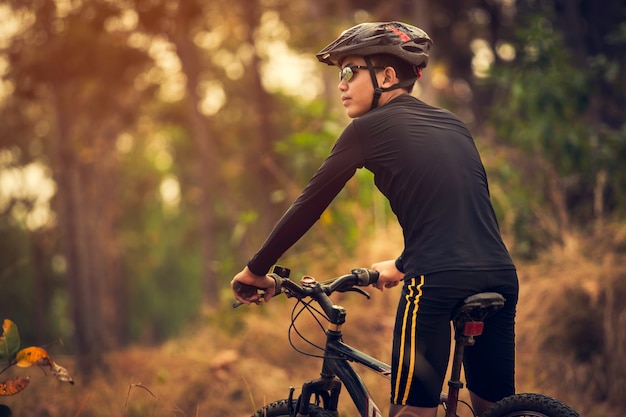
x=326 y=389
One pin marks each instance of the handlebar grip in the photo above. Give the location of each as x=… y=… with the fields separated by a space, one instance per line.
x=245 y=290
x=365 y=276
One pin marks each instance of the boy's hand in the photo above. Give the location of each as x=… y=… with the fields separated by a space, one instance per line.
x=389 y=274
x=262 y=282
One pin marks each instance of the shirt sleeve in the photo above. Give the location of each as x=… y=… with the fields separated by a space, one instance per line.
x=343 y=161
x=400 y=263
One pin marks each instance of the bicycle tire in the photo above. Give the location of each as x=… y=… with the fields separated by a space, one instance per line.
x=281 y=409
x=530 y=405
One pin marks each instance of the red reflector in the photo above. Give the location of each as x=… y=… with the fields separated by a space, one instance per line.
x=473 y=328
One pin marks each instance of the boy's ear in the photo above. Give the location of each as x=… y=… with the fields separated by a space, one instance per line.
x=390 y=75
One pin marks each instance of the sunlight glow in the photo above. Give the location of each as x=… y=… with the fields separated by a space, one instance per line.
x=11 y=23
x=30 y=188
x=439 y=77
x=173 y=80
x=505 y=51
x=127 y=21
x=291 y=73
x=483 y=57
x=230 y=62
x=209 y=40
x=214 y=98
x=65 y=7
x=169 y=191
x=283 y=69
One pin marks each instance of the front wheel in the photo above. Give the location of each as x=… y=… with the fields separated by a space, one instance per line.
x=282 y=408
x=530 y=405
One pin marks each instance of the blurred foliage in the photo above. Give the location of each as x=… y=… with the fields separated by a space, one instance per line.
x=565 y=113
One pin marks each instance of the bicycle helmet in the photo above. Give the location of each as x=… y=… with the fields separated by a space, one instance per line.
x=409 y=43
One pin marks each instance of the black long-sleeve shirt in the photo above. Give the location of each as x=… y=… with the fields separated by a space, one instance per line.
x=425 y=162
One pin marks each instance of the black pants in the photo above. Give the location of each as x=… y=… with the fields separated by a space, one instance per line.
x=422 y=336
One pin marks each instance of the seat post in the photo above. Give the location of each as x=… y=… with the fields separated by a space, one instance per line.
x=454 y=383
x=467 y=322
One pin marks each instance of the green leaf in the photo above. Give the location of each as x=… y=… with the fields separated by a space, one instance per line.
x=9 y=341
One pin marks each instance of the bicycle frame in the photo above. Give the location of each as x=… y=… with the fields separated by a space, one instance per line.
x=336 y=368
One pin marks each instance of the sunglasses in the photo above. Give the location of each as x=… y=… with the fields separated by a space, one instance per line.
x=347 y=72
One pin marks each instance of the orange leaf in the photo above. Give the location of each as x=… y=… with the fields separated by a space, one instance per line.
x=13 y=385
x=32 y=356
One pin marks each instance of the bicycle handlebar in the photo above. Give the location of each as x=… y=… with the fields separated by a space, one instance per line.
x=360 y=277
x=309 y=287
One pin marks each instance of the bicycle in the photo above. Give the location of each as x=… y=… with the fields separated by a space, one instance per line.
x=320 y=397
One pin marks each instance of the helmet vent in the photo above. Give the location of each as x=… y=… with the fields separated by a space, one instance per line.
x=412 y=48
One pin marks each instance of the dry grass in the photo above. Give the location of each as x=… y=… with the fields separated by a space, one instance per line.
x=239 y=360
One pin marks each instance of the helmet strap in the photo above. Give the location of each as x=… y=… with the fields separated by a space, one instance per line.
x=401 y=84
x=377 y=90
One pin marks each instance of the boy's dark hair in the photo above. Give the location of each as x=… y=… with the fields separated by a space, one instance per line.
x=404 y=70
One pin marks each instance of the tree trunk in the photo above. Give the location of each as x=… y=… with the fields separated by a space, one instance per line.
x=206 y=166
x=261 y=146
x=74 y=229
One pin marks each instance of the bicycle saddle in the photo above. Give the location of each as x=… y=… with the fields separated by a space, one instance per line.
x=478 y=306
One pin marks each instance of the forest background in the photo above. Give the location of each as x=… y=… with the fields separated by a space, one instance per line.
x=148 y=146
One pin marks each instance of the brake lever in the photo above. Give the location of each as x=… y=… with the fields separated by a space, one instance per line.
x=357 y=290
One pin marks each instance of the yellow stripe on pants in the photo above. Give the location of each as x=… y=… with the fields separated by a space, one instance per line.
x=413 y=322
